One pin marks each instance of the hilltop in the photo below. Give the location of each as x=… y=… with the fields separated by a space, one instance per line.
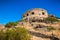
x=39 y=24
x=38 y=21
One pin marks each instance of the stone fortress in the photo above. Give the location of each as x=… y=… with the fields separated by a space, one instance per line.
x=34 y=16
x=35 y=20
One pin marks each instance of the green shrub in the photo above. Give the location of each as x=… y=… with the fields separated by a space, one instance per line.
x=22 y=32
x=10 y=24
x=51 y=28
x=2 y=36
x=15 y=34
x=51 y=19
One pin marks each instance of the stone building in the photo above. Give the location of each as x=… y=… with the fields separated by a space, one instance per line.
x=35 y=16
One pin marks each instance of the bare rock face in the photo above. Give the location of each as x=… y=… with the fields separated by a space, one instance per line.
x=1 y=27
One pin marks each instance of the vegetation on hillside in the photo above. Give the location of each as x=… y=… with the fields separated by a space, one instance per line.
x=50 y=19
x=11 y=24
x=51 y=28
x=15 y=34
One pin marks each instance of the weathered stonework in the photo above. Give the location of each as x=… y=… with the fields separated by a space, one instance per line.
x=35 y=15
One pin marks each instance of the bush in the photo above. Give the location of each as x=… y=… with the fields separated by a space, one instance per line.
x=51 y=19
x=2 y=36
x=51 y=28
x=15 y=34
x=11 y=24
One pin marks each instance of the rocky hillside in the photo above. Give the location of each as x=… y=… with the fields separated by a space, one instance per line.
x=43 y=33
x=2 y=27
x=40 y=27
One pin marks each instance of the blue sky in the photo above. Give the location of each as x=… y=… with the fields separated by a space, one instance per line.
x=12 y=10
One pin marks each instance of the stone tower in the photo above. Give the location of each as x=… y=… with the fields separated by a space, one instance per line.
x=35 y=15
